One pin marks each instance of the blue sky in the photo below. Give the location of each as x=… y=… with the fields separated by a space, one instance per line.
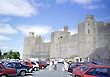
x=18 y=17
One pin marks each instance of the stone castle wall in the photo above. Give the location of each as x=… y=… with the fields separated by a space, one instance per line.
x=34 y=47
x=92 y=40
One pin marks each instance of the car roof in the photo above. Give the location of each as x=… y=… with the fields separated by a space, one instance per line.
x=1 y=64
x=96 y=66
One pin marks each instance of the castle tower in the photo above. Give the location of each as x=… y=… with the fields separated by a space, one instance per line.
x=86 y=31
x=29 y=44
x=34 y=47
x=31 y=34
x=65 y=28
x=59 y=43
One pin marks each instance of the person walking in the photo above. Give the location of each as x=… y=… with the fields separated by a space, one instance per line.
x=50 y=66
x=65 y=66
x=55 y=65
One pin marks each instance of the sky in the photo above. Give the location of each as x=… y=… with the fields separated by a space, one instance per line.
x=19 y=17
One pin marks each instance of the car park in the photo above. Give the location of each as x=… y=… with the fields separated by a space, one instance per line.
x=91 y=71
x=21 y=69
x=5 y=72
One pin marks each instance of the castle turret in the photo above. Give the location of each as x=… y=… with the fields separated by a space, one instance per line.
x=31 y=33
x=65 y=28
x=89 y=18
x=87 y=31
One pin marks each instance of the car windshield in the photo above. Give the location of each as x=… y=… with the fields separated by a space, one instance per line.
x=100 y=72
x=26 y=63
x=84 y=68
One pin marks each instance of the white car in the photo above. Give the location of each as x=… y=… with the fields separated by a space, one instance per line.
x=35 y=66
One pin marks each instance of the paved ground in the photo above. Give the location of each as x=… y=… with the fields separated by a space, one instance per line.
x=54 y=73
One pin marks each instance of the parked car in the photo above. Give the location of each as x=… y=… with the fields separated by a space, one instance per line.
x=42 y=64
x=73 y=65
x=28 y=64
x=35 y=66
x=61 y=61
x=21 y=69
x=5 y=72
x=91 y=71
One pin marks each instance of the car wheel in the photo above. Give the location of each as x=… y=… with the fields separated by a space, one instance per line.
x=23 y=73
x=42 y=67
x=77 y=76
x=3 y=76
x=35 y=69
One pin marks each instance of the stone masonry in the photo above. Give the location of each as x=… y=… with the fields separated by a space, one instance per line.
x=91 y=42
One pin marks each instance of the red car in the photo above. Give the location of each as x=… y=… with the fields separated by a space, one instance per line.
x=4 y=71
x=91 y=71
x=42 y=64
x=29 y=64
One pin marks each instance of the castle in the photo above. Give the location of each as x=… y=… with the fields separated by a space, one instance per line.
x=91 y=42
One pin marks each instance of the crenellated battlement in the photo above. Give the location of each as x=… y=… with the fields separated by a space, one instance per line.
x=92 y=36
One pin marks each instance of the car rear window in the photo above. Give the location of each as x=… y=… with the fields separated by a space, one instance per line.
x=33 y=63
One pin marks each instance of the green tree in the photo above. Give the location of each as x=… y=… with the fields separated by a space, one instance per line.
x=5 y=55
x=16 y=55
x=0 y=54
x=10 y=54
x=13 y=55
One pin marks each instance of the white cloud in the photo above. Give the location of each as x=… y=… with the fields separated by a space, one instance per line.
x=86 y=4
x=25 y=8
x=82 y=2
x=47 y=40
x=7 y=29
x=5 y=19
x=4 y=38
x=37 y=29
x=94 y=6
x=5 y=47
x=43 y=5
x=72 y=32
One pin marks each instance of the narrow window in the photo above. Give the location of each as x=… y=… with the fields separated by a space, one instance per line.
x=88 y=23
x=88 y=31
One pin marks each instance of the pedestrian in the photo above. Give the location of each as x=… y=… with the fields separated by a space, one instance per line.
x=55 y=65
x=65 y=66
x=50 y=66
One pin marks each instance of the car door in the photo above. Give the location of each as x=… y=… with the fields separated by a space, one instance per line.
x=12 y=69
x=1 y=69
